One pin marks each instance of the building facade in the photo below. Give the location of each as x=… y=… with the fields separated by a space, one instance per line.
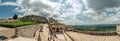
x=57 y=27
x=34 y=18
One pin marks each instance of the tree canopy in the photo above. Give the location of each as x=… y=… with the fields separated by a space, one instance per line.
x=15 y=16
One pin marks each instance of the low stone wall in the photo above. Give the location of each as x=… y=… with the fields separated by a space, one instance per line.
x=8 y=20
x=28 y=31
x=7 y=33
x=97 y=33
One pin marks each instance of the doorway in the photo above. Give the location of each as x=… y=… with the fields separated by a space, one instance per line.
x=57 y=30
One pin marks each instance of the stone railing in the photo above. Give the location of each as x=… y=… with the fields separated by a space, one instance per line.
x=97 y=32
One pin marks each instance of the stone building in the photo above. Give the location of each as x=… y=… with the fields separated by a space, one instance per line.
x=57 y=27
x=51 y=20
x=34 y=18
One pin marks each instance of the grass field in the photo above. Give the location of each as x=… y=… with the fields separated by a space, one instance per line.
x=16 y=24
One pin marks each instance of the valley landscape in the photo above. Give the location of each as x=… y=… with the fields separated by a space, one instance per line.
x=59 y=20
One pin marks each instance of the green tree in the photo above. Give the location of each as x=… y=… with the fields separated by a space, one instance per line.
x=15 y=16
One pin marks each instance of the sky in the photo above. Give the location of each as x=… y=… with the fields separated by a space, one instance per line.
x=70 y=12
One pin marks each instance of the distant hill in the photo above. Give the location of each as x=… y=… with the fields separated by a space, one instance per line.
x=101 y=27
x=96 y=25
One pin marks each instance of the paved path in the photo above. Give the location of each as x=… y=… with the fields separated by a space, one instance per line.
x=85 y=37
x=45 y=33
x=3 y=28
x=60 y=36
x=37 y=35
x=22 y=39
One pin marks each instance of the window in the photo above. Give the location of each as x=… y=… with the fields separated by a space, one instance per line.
x=61 y=28
x=53 y=28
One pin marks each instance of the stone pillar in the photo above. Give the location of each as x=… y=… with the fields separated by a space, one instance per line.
x=118 y=29
x=16 y=33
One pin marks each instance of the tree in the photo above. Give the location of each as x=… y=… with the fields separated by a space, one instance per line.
x=15 y=16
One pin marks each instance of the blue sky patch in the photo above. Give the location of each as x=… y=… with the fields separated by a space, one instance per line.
x=8 y=1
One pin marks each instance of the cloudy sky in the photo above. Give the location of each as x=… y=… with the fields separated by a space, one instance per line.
x=71 y=12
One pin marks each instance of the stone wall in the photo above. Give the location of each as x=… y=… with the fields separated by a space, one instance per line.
x=51 y=20
x=28 y=31
x=8 y=20
x=34 y=18
x=7 y=33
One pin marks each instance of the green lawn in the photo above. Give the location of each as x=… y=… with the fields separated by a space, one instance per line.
x=16 y=24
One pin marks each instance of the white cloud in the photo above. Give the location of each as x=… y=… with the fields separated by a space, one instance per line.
x=10 y=3
x=66 y=11
x=103 y=18
x=97 y=11
x=0 y=1
x=99 y=5
x=89 y=13
x=59 y=10
x=70 y=21
x=36 y=7
x=69 y=9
